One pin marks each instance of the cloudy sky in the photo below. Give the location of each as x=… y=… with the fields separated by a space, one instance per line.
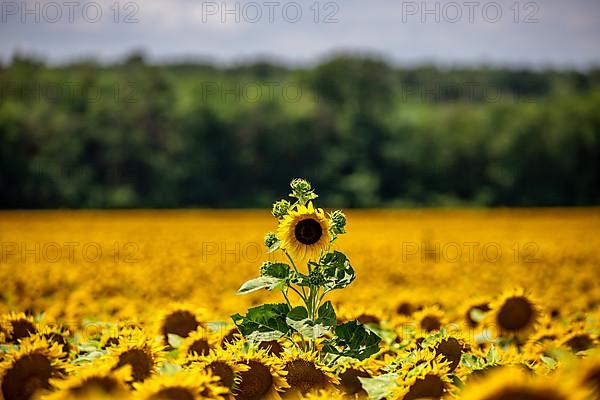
x=557 y=33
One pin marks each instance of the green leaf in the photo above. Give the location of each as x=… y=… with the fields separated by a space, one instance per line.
x=276 y=270
x=326 y=314
x=275 y=246
x=263 y=282
x=353 y=340
x=174 y=340
x=263 y=323
x=298 y=319
x=337 y=271
x=380 y=387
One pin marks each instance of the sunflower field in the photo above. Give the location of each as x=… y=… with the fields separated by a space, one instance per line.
x=300 y=302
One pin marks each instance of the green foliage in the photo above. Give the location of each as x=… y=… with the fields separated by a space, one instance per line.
x=352 y=339
x=367 y=132
x=263 y=323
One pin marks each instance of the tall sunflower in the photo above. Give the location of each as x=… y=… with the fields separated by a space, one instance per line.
x=304 y=232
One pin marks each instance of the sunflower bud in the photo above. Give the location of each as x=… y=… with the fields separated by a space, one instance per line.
x=265 y=268
x=338 y=222
x=280 y=208
x=302 y=190
x=270 y=239
x=316 y=278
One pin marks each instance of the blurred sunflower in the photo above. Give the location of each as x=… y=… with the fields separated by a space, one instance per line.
x=264 y=378
x=180 y=320
x=579 y=339
x=588 y=372
x=97 y=379
x=430 y=318
x=304 y=232
x=425 y=380
x=182 y=385
x=30 y=369
x=199 y=342
x=350 y=370
x=509 y=383
x=305 y=373
x=16 y=326
x=514 y=315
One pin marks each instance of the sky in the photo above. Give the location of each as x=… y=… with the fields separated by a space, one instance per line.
x=542 y=33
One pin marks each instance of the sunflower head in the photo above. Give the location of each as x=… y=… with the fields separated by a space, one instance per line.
x=143 y=357
x=182 y=385
x=98 y=380
x=508 y=383
x=304 y=232
x=17 y=326
x=515 y=315
x=263 y=378
x=180 y=320
x=306 y=374
x=225 y=365
x=30 y=369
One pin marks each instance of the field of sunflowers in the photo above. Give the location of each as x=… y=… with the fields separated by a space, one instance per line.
x=478 y=304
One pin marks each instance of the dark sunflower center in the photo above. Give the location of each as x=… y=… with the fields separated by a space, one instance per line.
x=103 y=384
x=516 y=313
x=304 y=376
x=308 y=231
x=180 y=323
x=173 y=394
x=199 y=347
x=451 y=350
x=431 y=323
x=28 y=374
x=141 y=363
x=580 y=342
x=431 y=387
x=224 y=372
x=256 y=382
x=350 y=382
x=272 y=346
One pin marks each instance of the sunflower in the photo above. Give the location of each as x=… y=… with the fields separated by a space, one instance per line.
x=114 y=336
x=180 y=320
x=306 y=374
x=350 y=370
x=226 y=365
x=430 y=318
x=143 y=356
x=264 y=378
x=304 y=232
x=98 y=379
x=514 y=383
x=182 y=385
x=513 y=315
x=425 y=380
x=60 y=335
x=474 y=311
x=588 y=372
x=30 y=369
x=450 y=348
x=579 y=339
x=230 y=336
x=199 y=342
x=16 y=326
